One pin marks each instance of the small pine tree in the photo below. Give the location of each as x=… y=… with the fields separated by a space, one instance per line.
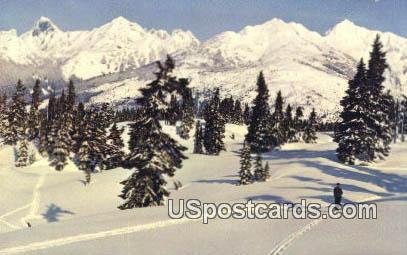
x=266 y=172
x=245 y=173
x=61 y=148
x=258 y=168
x=198 y=142
x=22 y=153
x=214 y=127
x=258 y=135
x=34 y=115
x=4 y=124
x=277 y=131
x=246 y=114
x=288 y=125
x=17 y=117
x=298 y=124
x=310 y=135
x=187 y=110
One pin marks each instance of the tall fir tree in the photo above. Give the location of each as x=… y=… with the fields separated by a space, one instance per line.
x=310 y=131
x=258 y=135
x=288 y=125
x=198 y=139
x=214 y=127
x=4 y=111
x=277 y=132
x=187 y=109
x=34 y=115
x=245 y=174
x=352 y=130
x=246 y=114
x=237 y=113
x=22 y=153
x=298 y=124
x=376 y=142
x=115 y=150
x=258 y=168
x=154 y=154
x=17 y=117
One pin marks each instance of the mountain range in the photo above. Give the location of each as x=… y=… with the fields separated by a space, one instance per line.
x=111 y=62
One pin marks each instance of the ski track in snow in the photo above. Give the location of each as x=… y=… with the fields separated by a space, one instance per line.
x=92 y=236
x=35 y=203
x=284 y=244
x=34 y=206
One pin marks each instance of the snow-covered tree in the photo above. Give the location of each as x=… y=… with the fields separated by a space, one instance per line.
x=352 y=130
x=245 y=174
x=22 y=153
x=214 y=127
x=115 y=154
x=187 y=109
x=17 y=117
x=376 y=116
x=288 y=125
x=258 y=135
x=62 y=142
x=298 y=124
x=34 y=115
x=198 y=139
x=153 y=153
x=258 y=167
x=4 y=124
x=310 y=131
x=277 y=131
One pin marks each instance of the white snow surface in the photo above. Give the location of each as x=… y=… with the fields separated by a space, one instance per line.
x=70 y=218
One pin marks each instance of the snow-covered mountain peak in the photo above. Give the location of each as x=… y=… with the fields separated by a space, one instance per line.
x=123 y=24
x=44 y=25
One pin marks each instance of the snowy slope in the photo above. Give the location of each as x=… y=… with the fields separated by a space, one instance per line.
x=113 y=47
x=69 y=218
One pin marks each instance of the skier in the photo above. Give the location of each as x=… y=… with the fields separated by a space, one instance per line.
x=338 y=194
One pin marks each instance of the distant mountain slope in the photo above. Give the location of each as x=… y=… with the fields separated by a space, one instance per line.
x=114 y=60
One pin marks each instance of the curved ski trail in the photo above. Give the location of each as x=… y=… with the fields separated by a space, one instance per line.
x=91 y=236
x=35 y=203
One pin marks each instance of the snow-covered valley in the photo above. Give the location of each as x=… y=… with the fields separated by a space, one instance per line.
x=68 y=217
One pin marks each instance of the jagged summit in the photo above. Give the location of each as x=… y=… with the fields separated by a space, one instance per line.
x=44 y=25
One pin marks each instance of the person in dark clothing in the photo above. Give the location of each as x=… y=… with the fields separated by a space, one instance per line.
x=338 y=194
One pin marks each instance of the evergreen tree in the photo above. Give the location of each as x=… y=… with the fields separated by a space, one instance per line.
x=214 y=127
x=246 y=114
x=4 y=125
x=277 y=128
x=154 y=154
x=187 y=110
x=258 y=168
x=310 y=135
x=61 y=146
x=174 y=111
x=115 y=150
x=245 y=174
x=298 y=124
x=22 y=153
x=288 y=125
x=266 y=172
x=376 y=143
x=34 y=115
x=258 y=135
x=352 y=129
x=237 y=113
x=17 y=117
x=198 y=142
